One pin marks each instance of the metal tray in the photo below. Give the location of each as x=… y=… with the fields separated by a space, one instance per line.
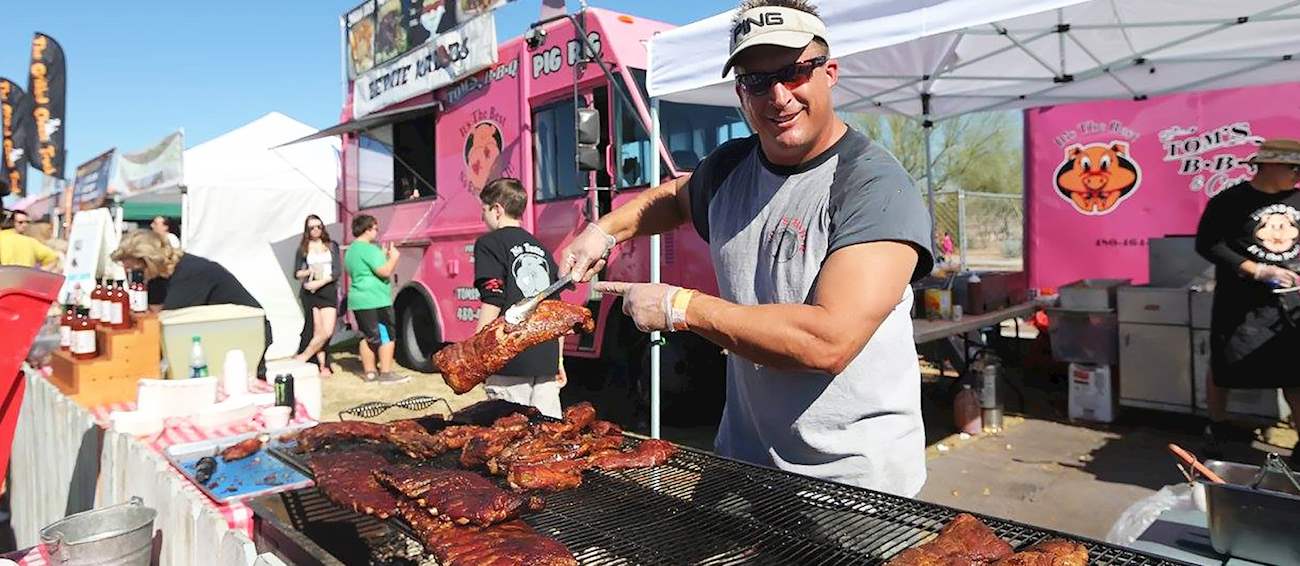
x=1254 y=524
x=260 y=474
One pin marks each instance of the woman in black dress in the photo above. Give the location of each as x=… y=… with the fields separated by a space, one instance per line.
x=318 y=268
x=1251 y=232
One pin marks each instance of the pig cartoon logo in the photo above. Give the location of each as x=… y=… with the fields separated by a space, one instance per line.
x=1096 y=178
x=483 y=148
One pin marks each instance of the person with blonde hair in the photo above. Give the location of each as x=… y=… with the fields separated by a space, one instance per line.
x=189 y=280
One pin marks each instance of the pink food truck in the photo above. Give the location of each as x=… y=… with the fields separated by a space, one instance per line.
x=574 y=129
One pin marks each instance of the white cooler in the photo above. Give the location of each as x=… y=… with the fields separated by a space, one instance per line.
x=221 y=328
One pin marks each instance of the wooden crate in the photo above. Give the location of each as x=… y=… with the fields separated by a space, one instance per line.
x=125 y=357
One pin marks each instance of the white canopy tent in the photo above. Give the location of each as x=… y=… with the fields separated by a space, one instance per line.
x=247 y=203
x=933 y=60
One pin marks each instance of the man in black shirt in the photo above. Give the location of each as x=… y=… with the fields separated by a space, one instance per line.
x=509 y=266
x=1251 y=232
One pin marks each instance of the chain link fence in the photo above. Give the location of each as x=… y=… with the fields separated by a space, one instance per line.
x=993 y=224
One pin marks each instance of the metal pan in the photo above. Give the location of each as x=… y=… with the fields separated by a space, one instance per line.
x=1254 y=524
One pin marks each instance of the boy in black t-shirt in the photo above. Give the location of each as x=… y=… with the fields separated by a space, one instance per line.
x=509 y=266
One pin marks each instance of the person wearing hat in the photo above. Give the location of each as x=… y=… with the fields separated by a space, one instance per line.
x=1251 y=232
x=815 y=232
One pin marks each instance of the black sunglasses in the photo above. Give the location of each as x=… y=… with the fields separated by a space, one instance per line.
x=758 y=84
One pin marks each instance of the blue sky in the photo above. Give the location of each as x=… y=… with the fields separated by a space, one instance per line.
x=140 y=69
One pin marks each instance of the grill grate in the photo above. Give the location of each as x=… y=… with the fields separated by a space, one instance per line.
x=703 y=509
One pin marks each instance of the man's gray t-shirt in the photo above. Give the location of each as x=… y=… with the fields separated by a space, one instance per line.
x=770 y=229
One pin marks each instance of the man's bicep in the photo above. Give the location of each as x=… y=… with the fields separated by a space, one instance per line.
x=865 y=281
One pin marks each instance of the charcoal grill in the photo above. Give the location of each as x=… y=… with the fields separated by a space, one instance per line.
x=703 y=509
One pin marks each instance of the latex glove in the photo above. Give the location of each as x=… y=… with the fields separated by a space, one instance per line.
x=1273 y=274
x=646 y=303
x=586 y=254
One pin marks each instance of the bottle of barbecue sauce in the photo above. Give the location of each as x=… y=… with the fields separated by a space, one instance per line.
x=83 y=336
x=65 y=327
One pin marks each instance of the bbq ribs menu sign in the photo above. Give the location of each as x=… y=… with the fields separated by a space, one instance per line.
x=445 y=59
x=47 y=84
x=379 y=31
x=1105 y=177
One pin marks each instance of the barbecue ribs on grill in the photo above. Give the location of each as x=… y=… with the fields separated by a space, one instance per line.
x=455 y=495
x=649 y=453
x=323 y=434
x=1051 y=552
x=407 y=435
x=509 y=543
x=412 y=439
x=345 y=478
x=550 y=476
x=484 y=413
x=241 y=450
x=469 y=363
x=963 y=541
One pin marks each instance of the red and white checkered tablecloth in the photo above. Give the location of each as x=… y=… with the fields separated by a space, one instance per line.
x=29 y=557
x=183 y=430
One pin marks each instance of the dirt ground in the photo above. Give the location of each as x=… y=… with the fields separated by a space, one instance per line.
x=344 y=390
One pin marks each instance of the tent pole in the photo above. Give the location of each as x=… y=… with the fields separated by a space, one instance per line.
x=928 y=127
x=185 y=216
x=961 y=227
x=655 y=274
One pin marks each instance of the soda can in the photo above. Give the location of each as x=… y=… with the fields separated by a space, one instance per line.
x=284 y=393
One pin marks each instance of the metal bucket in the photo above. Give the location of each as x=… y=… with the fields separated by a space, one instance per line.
x=120 y=535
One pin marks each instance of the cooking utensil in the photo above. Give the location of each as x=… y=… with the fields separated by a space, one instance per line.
x=1191 y=460
x=520 y=310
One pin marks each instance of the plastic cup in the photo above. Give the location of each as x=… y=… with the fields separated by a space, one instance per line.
x=234 y=373
x=275 y=417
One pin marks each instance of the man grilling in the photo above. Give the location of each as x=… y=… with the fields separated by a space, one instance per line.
x=815 y=233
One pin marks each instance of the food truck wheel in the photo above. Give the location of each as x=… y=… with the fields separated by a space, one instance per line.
x=418 y=336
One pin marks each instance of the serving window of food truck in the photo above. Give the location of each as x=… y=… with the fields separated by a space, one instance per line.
x=396 y=162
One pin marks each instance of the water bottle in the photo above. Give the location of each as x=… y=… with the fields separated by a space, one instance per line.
x=198 y=362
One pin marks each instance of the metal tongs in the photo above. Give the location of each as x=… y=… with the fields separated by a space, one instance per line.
x=520 y=310
x=1274 y=464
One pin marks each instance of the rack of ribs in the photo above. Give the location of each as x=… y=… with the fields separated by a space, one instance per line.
x=323 y=434
x=487 y=444
x=345 y=478
x=241 y=450
x=649 y=453
x=456 y=495
x=512 y=542
x=483 y=413
x=412 y=439
x=456 y=436
x=549 y=476
x=468 y=363
x=964 y=540
x=1051 y=552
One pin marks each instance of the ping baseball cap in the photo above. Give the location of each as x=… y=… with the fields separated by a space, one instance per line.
x=773 y=25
